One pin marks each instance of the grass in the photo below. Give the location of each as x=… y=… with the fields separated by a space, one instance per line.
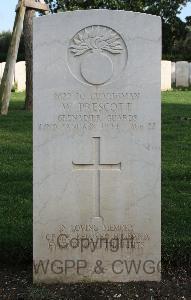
x=16 y=180
x=176 y=176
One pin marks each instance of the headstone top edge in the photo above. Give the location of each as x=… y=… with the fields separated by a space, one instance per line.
x=166 y=60
x=182 y=61
x=93 y=11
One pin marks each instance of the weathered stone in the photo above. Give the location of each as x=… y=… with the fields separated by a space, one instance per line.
x=2 y=67
x=182 y=74
x=97 y=146
x=20 y=76
x=165 y=75
x=173 y=72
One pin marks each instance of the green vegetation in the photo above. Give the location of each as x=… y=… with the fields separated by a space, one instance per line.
x=176 y=176
x=16 y=179
x=5 y=39
x=16 y=182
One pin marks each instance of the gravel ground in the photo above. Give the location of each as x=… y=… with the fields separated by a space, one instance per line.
x=16 y=284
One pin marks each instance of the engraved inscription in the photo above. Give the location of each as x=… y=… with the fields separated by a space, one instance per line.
x=79 y=112
x=88 y=237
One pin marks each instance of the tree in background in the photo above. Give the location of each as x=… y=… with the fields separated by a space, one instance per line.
x=28 y=42
x=5 y=39
x=24 y=53
x=173 y=28
x=182 y=45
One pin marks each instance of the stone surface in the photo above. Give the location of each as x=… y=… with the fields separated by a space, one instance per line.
x=190 y=74
x=173 y=72
x=182 y=74
x=97 y=147
x=2 y=66
x=20 y=75
x=165 y=75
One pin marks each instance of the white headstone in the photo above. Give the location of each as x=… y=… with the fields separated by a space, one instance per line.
x=173 y=72
x=182 y=74
x=165 y=75
x=2 y=67
x=190 y=74
x=20 y=75
x=97 y=146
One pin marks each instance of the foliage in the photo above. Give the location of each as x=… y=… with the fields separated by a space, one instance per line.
x=188 y=21
x=177 y=39
x=173 y=28
x=167 y=9
x=182 y=49
x=5 y=39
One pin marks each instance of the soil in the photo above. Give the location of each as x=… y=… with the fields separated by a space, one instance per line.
x=16 y=284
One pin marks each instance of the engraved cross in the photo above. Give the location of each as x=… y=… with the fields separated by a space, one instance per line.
x=97 y=167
